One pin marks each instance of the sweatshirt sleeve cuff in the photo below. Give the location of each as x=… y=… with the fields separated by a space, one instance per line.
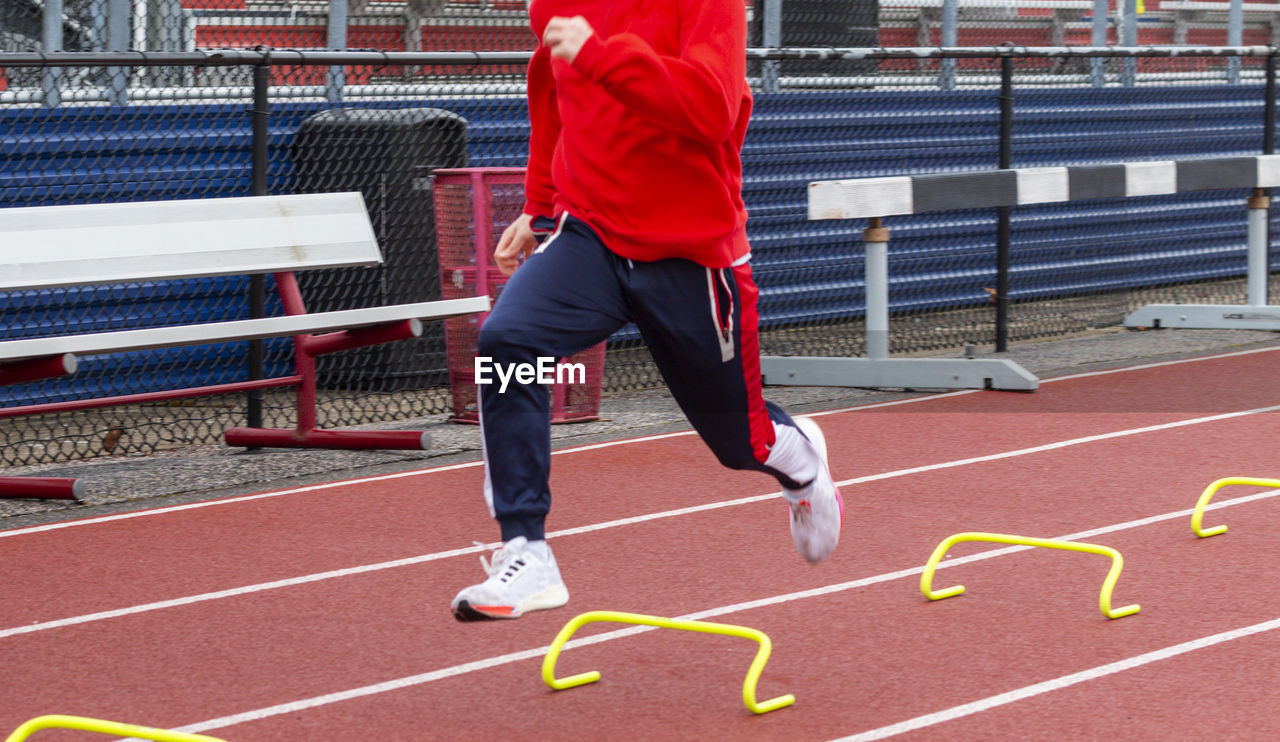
x=538 y=209
x=589 y=56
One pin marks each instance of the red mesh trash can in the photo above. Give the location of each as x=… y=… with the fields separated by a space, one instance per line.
x=473 y=206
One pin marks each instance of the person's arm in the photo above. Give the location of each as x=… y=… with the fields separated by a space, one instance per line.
x=518 y=240
x=696 y=94
x=544 y=132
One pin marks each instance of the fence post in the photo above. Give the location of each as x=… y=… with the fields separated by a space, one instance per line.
x=52 y=42
x=1098 y=37
x=119 y=31
x=771 y=36
x=1003 y=227
x=260 y=119
x=337 y=41
x=950 y=37
x=1129 y=37
x=1263 y=291
x=1269 y=108
x=1235 y=37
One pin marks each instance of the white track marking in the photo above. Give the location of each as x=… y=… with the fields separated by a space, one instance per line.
x=919 y=722
x=1160 y=364
x=576 y=449
x=533 y=653
x=1060 y=444
x=316 y=577
x=990 y=702
x=399 y=683
x=387 y=477
x=1067 y=377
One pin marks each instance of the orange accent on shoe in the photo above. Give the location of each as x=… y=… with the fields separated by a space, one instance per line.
x=505 y=611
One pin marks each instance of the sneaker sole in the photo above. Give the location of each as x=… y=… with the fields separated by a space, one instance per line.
x=552 y=597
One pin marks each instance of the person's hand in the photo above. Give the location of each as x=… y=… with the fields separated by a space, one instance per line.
x=565 y=36
x=517 y=242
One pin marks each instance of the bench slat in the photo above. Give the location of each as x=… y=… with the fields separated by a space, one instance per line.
x=235 y=330
x=53 y=246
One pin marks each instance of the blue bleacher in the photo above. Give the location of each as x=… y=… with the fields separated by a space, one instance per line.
x=807 y=271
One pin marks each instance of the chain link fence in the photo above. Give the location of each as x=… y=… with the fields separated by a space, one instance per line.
x=97 y=126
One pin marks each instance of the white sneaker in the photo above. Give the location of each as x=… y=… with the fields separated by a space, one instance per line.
x=521 y=578
x=818 y=509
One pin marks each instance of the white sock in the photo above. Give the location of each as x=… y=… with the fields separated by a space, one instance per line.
x=793 y=454
x=540 y=549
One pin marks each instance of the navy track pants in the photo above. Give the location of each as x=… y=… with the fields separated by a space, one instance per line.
x=699 y=323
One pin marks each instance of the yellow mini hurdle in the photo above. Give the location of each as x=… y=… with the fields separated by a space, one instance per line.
x=1197 y=517
x=1104 y=600
x=85 y=724
x=748 y=686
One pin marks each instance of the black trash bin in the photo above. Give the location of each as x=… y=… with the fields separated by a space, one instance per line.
x=388 y=155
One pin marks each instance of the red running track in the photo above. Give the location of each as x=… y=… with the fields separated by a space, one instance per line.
x=321 y=613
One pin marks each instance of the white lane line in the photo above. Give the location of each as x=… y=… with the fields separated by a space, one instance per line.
x=576 y=449
x=1030 y=691
x=397 y=475
x=399 y=683
x=533 y=653
x=1062 y=444
x=407 y=561
x=1160 y=364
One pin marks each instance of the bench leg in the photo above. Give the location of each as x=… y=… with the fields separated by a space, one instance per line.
x=354 y=439
x=42 y=488
x=37 y=368
x=306 y=348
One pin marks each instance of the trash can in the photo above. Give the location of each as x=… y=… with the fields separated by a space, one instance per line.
x=388 y=155
x=473 y=206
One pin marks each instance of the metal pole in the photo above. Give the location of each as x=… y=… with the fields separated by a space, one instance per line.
x=261 y=119
x=950 y=37
x=98 y=23
x=1268 y=148
x=337 y=41
x=1003 y=228
x=1235 y=37
x=119 y=32
x=1259 y=206
x=771 y=36
x=1269 y=108
x=876 y=240
x=1129 y=37
x=52 y=42
x=257 y=282
x=1098 y=37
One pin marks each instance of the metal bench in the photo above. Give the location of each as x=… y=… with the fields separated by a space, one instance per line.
x=51 y=247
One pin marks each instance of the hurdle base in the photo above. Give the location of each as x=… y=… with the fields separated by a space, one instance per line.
x=897 y=373
x=344 y=439
x=40 y=488
x=1206 y=316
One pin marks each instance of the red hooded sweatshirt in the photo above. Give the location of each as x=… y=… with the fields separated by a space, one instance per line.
x=640 y=137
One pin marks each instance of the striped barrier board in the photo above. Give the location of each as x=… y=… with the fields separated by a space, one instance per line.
x=979 y=189
x=875 y=198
